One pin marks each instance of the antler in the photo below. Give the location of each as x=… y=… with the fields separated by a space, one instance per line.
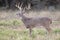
x=28 y=7
x=22 y=10
x=19 y=7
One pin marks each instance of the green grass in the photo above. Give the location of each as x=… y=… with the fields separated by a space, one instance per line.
x=8 y=34
x=57 y=30
x=10 y=22
x=37 y=34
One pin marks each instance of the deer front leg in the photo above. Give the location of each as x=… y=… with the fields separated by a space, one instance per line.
x=30 y=31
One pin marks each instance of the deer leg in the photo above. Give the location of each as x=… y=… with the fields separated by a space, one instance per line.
x=48 y=29
x=30 y=30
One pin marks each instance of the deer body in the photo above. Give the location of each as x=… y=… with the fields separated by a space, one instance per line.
x=44 y=21
x=33 y=22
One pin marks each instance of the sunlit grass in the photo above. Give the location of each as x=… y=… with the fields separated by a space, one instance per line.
x=8 y=34
x=10 y=22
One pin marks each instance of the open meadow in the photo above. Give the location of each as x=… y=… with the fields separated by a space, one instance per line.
x=12 y=28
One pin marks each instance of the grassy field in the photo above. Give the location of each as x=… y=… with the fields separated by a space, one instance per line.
x=9 y=31
x=37 y=34
x=12 y=28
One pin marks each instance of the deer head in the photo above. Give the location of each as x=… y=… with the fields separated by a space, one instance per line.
x=21 y=9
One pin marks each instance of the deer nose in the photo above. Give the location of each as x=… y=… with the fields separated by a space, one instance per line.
x=27 y=27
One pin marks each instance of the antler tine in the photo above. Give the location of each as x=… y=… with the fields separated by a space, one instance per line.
x=20 y=7
x=17 y=5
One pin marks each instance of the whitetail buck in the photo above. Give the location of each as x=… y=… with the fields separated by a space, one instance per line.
x=32 y=22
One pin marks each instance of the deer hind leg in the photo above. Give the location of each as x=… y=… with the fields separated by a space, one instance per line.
x=48 y=28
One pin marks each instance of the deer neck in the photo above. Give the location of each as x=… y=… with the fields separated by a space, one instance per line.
x=24 y=17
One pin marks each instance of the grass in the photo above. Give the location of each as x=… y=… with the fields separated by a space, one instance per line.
x=57 y=30
x=8 y=34
x=37 y=34
x=10 y=22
